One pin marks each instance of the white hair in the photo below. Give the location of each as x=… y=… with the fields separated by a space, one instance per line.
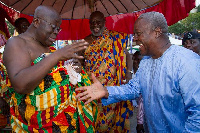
x=156 y=19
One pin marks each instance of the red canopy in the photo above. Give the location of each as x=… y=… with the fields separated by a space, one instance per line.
x=173 y=10
x=10 y=15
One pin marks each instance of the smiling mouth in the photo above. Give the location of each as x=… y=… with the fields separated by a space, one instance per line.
x=96 y=30
x=140 y=45
x=52 y=39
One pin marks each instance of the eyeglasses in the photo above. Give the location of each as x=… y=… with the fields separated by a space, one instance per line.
x=137 y=34
x=54 y=27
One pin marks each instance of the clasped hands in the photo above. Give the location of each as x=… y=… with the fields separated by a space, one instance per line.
x=92 y=92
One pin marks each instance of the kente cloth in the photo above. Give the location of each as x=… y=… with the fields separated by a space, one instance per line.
x=2 y=40
x=106 y=58
x=5 y=85
x=5 y=93
x=52 y=106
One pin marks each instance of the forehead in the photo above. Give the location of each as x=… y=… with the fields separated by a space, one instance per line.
x=24 y=23
x=53 y=20
x=188 y=40
x=50 y=16
x=96 y=17
x=141 y=24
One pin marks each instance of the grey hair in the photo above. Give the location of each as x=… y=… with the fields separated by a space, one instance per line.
x=156 y=19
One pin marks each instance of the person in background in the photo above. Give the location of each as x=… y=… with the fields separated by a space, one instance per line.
x=4 y=100
x=106 y=57
x=43 y=98
x=191 y=40
x=4 y=106
x=21 y=25
x=167 y=77
x=2 y=40
x=137 y=57
x=5 y=95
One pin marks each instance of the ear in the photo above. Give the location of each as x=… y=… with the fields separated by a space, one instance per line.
x=158 y=31
x=17 y=29
x=36 y=22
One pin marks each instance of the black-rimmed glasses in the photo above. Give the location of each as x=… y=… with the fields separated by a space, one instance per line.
x=54 y=27
x=137 y=34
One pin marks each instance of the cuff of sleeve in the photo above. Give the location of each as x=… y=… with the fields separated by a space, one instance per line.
x=110 y=99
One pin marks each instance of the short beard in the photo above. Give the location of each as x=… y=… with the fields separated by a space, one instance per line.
x=99 y=33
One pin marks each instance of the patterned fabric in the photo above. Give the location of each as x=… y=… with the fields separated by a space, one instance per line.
x=2 y=40
x=106 y=58
x=5 y=93
x=52 y=106
x=8 y=14
x=5 y=89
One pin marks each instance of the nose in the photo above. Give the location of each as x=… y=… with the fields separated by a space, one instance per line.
x=95 y=24
x=56 y=30
x=135 y=38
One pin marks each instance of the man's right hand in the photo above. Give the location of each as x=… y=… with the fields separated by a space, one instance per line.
x=92 y=92
x=70 y=51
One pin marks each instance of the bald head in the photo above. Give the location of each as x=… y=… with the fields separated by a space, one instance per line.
x=45 y=25
x=97 y=23
x=46 y=11
x=156 y=19
x=97 y=14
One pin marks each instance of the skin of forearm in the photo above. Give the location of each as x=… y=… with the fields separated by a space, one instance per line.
x=129 y=61
x=106 y=93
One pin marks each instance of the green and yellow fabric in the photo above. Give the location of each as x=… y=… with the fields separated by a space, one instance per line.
x=52 y=106
x=5 y=93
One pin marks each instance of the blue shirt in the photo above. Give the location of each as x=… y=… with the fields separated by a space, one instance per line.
x=170 y=87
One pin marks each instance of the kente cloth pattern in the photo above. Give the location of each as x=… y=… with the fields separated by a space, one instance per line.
x=2 y=40
x=52 y=106
x=5 y=90
x=106 y=58
x=5 y=93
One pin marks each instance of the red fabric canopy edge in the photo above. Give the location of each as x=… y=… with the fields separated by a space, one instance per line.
x=10 y=15
x=173 y=10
